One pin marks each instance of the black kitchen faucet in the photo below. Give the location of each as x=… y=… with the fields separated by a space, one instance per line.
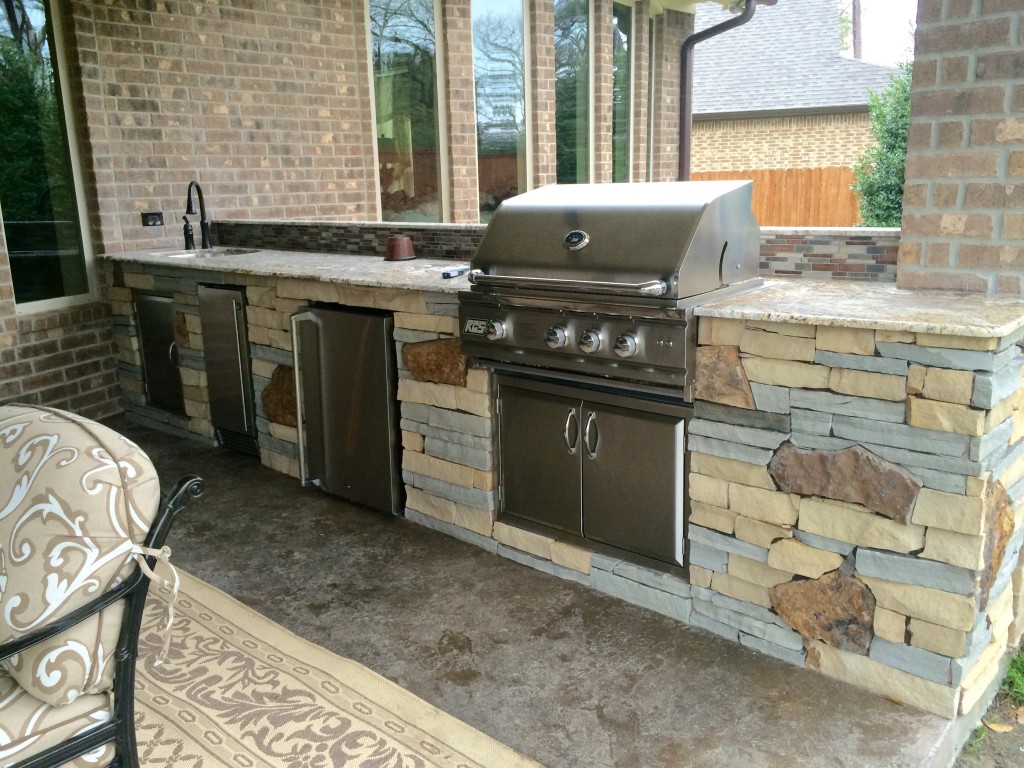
x=190 y=209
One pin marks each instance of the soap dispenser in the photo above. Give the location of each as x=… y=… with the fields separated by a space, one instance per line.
x=190 y=240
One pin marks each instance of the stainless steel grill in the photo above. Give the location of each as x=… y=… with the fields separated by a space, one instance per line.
x=582 y=301
x=602 y=279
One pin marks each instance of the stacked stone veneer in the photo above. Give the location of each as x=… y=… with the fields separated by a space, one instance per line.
x=855 y=503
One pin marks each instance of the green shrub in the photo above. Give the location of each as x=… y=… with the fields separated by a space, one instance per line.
x=878 y=173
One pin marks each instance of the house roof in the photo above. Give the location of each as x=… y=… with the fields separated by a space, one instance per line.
x=785 y=59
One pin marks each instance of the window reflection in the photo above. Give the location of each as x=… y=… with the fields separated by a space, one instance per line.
x=37 y=194
x=405 y=91
x=572 y=91
x=499 y=69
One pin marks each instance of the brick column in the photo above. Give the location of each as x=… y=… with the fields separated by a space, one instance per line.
x=963 y=228
x=461 y=105
x=541 y=76
x=601 y=45
x=641 y=67
x=671 y=28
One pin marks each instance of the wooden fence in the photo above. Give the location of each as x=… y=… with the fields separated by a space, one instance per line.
x=798 y=197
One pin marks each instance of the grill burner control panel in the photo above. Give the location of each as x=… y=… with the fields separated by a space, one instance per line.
x=632 y=348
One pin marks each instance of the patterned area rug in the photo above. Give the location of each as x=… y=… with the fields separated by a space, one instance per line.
x=237 y=690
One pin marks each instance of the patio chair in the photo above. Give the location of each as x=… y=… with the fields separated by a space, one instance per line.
x=81 y=527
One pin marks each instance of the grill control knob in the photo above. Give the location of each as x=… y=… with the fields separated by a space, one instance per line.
x=590 y=340
x=625 y=345
x=555 y=337
x=495 y=330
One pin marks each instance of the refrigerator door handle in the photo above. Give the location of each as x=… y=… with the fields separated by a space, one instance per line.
x=239 y=342
x=297 y=320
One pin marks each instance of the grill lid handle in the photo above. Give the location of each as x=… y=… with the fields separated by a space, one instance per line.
x=649 y=288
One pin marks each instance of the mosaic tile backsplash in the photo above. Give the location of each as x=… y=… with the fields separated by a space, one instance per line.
x=823 y=254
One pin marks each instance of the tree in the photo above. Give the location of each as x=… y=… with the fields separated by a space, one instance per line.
x=878 y=173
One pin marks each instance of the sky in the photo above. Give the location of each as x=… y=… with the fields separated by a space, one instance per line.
x=886 y=30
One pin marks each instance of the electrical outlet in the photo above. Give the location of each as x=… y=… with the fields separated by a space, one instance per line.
x=152 y=218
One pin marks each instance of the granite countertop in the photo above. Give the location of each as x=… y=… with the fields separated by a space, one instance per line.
x=849 y=304
x=369 y=271
x=880 y=306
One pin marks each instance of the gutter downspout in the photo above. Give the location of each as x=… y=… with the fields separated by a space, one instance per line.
x=686 y=82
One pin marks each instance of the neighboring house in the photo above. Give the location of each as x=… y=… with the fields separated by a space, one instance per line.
x=775 y=100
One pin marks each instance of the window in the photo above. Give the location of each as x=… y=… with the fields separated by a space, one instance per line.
x=499 y=69
x=572 y=91
x=405 y=91
x=622 y=91
x=38 y=200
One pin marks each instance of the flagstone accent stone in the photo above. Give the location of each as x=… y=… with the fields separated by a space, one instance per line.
x=854 y=475
x=835 y=609
x=278 y=397
x=720 y=377
x=439 y=361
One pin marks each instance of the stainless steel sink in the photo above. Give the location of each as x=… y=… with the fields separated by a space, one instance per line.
x=205 y=253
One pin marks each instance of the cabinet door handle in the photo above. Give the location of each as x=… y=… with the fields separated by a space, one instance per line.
x=571 y=419
x=592 y=435
x=239 y=341
x=300 y=401
x=172 y=353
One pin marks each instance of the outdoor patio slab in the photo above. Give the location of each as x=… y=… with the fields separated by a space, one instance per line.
x=559 y=672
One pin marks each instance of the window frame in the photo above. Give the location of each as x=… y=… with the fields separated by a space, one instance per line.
x=71 y=121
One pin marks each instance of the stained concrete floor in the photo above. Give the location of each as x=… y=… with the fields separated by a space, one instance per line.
x=559 y=672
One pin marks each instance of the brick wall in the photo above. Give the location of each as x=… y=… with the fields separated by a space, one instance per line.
x=267 y=108
x=805 y=141
x=962 y=223
x=61 y=358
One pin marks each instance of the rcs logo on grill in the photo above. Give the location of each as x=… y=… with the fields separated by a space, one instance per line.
x=475 y=327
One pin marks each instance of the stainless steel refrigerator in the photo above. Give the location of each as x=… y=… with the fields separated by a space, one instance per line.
x=346 y=390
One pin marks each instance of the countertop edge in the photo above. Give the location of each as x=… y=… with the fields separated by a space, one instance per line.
x=838 y=303
x=366 y=271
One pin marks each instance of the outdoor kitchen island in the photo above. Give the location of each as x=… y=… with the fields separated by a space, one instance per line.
x=855 y=454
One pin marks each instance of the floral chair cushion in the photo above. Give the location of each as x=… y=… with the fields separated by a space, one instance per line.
x=75 y=500
x=28 y=726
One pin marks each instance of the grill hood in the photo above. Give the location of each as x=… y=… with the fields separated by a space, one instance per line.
x=658 y=242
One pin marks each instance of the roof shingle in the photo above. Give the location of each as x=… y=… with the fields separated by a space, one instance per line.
x=785 y=59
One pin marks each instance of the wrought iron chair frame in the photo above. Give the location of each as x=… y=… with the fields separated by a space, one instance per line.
x=120 y=729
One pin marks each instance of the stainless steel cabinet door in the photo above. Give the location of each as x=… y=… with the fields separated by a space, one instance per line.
x=155 y=318
x=540 y=457
x=633 y=480
x=225 y=346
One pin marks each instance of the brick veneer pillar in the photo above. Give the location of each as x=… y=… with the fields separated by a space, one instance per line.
x=461 y=106
x=963 y=225
x=671 y=28
x=601 y=44
x=641 y=42
x=542 y=91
